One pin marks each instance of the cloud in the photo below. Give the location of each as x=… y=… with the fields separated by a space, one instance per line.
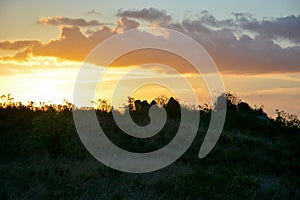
x=283 y=27
x=206 y=18
x=58 y=20
x=126 y=24
x=276 y=28
x=233 y=52
x=190 y=26
x=93 y=12
x=147 y=14
x=242 y=55
x=72 y=44
x=19 y=56
x=16 y=45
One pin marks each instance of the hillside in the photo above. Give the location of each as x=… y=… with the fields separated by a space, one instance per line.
x=42 y=157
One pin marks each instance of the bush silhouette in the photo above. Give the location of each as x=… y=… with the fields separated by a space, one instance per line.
x=52 y=132
x=256 y=157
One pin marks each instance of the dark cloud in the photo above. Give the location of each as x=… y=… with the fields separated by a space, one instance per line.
x=101 y=34
x=242 y=16
x=58 y=20
x=147 y=14
x=239 y=53
x=193 y=26
x=242 y=55
x=93 y=12
x=251 y=55
x=283 y=27
x=277 y=28
x=126 y=24
x=208 y=19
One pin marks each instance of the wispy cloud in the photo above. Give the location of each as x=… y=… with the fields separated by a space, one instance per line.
x=147 y=14
x=93 y=12
x=16 y=45
x=59 y=20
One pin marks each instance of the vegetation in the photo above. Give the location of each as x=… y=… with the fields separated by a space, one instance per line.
x=42 y=157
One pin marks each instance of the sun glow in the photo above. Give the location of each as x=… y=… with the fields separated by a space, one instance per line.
x=46 y=61
x=39 y=79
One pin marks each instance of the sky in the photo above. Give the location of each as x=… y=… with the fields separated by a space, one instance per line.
x=255 y=45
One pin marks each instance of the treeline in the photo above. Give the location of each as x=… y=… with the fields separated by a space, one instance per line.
x=50 y=128
x=41 y=155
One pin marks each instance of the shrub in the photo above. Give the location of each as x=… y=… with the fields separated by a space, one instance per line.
x=52 y=132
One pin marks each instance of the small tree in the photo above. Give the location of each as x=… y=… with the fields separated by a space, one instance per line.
x=286 y=119
x=162 y=100
x=103 y=105
x=130 y=101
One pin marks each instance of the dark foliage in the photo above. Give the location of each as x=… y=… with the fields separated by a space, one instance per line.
x=42 y=157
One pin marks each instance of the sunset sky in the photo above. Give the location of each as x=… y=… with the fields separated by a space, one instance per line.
x=255 y=44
